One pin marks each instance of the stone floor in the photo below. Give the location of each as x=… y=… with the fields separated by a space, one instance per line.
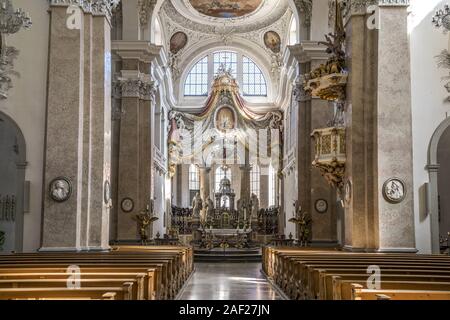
x=228 y=281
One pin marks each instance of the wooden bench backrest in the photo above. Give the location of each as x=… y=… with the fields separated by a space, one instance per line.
x=359 y=293
x=121 y=293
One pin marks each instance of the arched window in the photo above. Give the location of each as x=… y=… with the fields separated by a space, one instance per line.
x=158 y=34
x=242 y=68
x=254 y=83
x=220 y=174
x=272 y=186
x=197 y=80
x=255 y=174
x=293 y=31
x=226 y=58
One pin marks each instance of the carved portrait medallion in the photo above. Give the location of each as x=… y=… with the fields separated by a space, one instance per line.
x=127 y=205
x=321 y=206
x=60 y=189
x=394 y=190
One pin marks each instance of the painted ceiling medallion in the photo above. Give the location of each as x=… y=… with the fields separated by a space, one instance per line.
x=226 y=8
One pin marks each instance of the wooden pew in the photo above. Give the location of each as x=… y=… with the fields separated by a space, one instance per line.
x=144 y=283
x=359 y=293
x=97 y=293
x=166 y=267
x=307 y=281
x=342 y=287
x=328 y=289
x=89 y=273
x=174 y=263
x=166 y=286
x=306 y=273
x=137 y=292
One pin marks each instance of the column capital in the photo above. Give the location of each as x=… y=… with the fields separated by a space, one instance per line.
x=95 y=7
x=99 y=7
x=393 y=3
x=299 y=92
x=359 y=7
x=145 y=8
x=135 y=88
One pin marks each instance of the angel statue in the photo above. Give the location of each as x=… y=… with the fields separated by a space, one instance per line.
x=303 y=221
x=144 y=219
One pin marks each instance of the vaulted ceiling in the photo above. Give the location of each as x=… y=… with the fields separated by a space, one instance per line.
x=240 y=24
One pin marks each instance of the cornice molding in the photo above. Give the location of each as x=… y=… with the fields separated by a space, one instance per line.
x=95 y=7
x=307 y=51
x=140 y=50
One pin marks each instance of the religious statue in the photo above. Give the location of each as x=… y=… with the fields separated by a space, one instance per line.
x=209 y=207
x=254 y=205
x=197 y=205
x=242 y=208
x=303 y=221
x=144 y=219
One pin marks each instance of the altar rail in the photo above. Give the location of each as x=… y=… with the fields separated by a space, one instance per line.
x=267 y=220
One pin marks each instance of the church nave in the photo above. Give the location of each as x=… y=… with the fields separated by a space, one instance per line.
x=224 y=150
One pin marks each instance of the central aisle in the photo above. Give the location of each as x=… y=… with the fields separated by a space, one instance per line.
x=228 y=281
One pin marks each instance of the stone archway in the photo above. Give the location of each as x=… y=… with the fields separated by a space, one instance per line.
x=12 y=181
x=433 y=192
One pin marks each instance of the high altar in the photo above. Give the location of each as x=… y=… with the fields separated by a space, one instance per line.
x=228 y=137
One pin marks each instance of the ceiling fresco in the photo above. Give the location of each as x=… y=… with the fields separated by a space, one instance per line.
x=226 y=8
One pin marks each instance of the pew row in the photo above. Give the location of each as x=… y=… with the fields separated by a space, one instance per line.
x=152 y=273
x=329 y=274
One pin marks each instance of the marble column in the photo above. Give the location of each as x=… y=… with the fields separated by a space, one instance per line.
x=379 y=138
x=205 y=178
x=394 y=127
x=245 y=182
x=360 y=226
x=78 y=144
x=136 y=147
x=313 y=114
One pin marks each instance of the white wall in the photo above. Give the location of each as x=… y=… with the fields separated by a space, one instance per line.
x=27 y=105
x=429 y=107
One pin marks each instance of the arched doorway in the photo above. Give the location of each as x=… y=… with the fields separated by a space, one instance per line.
x=439 y=172
x=12 y=181
x=443 y=158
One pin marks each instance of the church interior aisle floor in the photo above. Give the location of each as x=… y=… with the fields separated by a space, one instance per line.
x=228 y=281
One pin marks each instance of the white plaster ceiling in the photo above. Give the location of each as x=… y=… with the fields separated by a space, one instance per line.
x=267 y=13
